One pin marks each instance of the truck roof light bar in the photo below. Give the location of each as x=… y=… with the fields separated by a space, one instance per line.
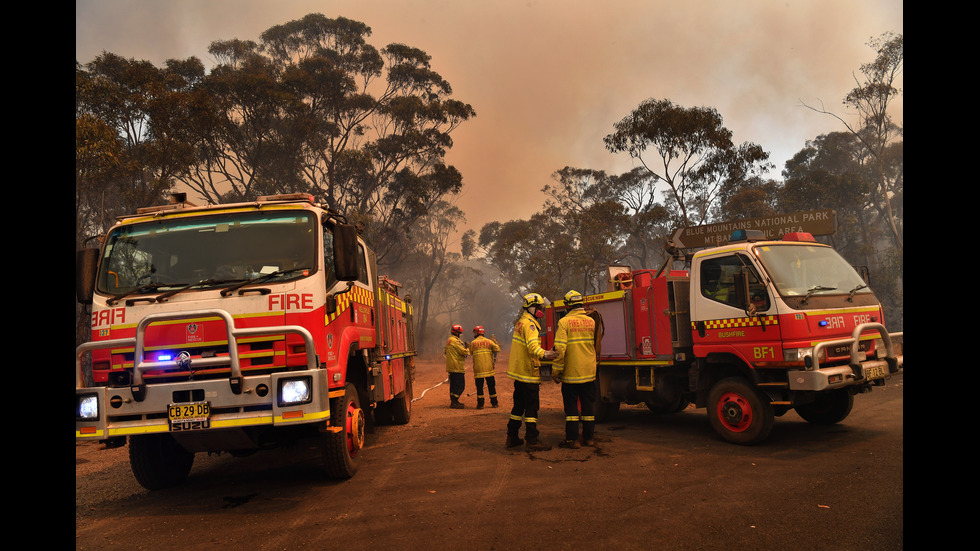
x=287 y=197
x=747 y=235
x=799 y=236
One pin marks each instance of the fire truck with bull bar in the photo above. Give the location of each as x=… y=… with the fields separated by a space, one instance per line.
x=754 y=328
x=238 y=327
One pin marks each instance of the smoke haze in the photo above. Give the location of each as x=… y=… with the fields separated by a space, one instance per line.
x=549 y=78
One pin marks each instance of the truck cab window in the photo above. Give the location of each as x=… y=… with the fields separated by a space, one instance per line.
x=204 y=252
x=718 y=281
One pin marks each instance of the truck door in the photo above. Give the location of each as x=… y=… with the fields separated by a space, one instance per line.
x=720 y=323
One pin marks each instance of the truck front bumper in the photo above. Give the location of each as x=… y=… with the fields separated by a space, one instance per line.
x=117 y=412
x=200 y=406
x=858 y=371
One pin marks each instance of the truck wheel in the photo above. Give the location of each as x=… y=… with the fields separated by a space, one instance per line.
x=738 y=412
x=606 y=411
x=401 y=404
x=341 y=450
x=829 y=408
x=158 y=461
x=659 y=408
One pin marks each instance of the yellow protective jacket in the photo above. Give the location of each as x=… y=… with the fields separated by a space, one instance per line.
x=456 y=353
x=525 y=351
x=483 y=350
x=575 y=344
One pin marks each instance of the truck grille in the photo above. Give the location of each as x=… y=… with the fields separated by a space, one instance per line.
x=261 y=356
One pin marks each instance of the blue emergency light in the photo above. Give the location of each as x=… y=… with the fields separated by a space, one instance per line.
x=747 y=235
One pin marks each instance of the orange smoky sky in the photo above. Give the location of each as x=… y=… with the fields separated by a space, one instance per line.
x=549 y=78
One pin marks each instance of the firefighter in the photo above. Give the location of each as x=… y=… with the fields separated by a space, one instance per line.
x=456 y=352
x=575 y=368
x=484 y=352
x=524 y=368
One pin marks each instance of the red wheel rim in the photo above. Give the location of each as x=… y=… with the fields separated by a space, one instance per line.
x=734 y=412
x=354 y=429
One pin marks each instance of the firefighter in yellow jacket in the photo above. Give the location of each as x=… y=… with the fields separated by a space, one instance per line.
x=575 y=368
x=524 y=368
x=456 y=352
x=484 y=352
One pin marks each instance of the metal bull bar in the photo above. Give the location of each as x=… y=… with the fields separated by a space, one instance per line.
x=893 y=361
x=139 y=365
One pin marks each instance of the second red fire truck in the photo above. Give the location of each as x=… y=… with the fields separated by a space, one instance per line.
x=754 y=329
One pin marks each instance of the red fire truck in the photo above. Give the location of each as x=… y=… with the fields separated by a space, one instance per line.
x=755 y=328
x=238 y=327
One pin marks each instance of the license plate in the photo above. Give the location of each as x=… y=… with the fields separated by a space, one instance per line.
x=189 y=416
x=874 y=372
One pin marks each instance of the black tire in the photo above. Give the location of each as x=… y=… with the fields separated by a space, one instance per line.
x=382 y=413
x=606 y=411
x=677 y=405
x=158 y=461
x=738 y=412
x=829 y=408
x=401 y=404
x=342 y=449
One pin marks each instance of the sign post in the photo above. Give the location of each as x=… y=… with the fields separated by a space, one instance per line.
x=816 y=222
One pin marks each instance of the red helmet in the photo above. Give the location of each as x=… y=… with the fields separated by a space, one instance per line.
x=478 y=330
x=456 y=329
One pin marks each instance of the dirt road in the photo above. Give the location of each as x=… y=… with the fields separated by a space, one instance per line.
x=446 y=481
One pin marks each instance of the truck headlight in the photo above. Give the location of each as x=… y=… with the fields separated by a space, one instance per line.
x=295 y=391
x=800 y=355
x=87 y=406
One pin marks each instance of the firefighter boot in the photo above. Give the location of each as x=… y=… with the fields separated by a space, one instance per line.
x=570 y=444
x=479 y=403
x=537 y=446
x=456 y=404
x=493 y=402
x=513 y=441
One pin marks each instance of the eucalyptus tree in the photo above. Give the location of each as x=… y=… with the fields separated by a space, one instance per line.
x=648 y=223
x=430 y=259
x=828 y=174
x=585 y=203
x=127 y=153
x=689 y=150
x=313 y=107
x=881 y=138
x=535 y=255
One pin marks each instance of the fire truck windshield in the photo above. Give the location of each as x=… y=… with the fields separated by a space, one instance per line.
x=804 y=270
x=207 y=251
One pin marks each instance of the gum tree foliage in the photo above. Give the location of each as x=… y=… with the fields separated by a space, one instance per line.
x=876 y=132
x=582 y=227
x=313 y=107
x=430 y=260
x=690 y=151
x=128 y=152
x=592 y=219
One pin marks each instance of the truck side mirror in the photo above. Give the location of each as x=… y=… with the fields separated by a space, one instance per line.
x=345 y=256
x=86 y=266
